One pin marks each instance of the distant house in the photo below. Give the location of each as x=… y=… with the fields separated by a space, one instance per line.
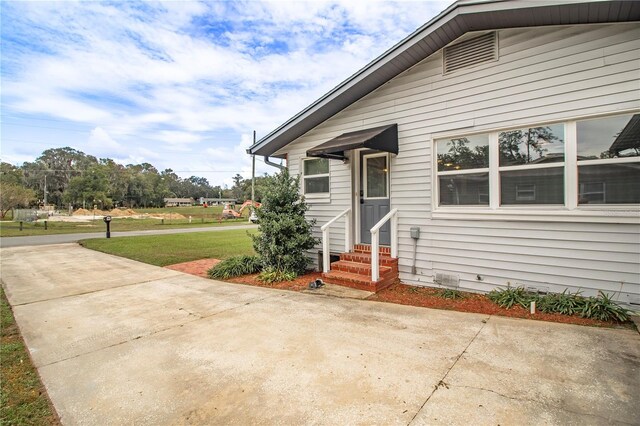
x=216 y=201
x=178 y=202
x=499 y=144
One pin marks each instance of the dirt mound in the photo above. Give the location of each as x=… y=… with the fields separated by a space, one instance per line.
x=122 y=212
x=167 y=216
x=85 y=212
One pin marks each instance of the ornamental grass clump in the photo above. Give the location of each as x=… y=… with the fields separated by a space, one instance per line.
x=450 y=293
x=603 y=308
x=565 y=303
x=510 y=296
x=235 y=266
x=271 y=276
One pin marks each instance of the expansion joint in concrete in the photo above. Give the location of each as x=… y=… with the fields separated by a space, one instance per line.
x=88 y=292
x=441 y=382
x=152 y=333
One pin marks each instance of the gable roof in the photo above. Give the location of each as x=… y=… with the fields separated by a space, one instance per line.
x=461 y=17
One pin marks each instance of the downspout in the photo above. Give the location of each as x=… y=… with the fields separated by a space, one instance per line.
x=271 y=163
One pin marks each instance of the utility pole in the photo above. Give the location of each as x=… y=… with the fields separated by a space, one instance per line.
x=45 y=190
x=253 y=179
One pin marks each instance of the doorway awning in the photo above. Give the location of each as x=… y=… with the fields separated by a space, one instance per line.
x=383 y=138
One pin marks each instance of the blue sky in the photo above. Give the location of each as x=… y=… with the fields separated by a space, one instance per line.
x=180 y=84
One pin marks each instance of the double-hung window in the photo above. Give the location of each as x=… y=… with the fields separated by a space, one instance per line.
x=315 y=177
x=463 y=170
x=609 y=160
x=531 y=165
x=561 y=166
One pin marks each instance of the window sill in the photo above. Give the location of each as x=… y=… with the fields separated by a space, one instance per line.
x=612 y=214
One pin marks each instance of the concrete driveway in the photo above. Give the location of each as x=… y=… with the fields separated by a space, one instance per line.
x=120 y=342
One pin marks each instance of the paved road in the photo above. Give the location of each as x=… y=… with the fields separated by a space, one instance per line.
x=71 y=238
x=120 y=342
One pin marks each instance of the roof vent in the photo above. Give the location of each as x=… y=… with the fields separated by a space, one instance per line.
x=471 y=52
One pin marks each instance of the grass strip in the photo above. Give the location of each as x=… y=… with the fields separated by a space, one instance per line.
x=23 y=399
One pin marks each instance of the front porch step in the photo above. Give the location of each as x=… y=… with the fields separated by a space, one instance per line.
x=359 y=268
x=361 y=282
x=354 y=269
x=383 y=260
x=366 y=248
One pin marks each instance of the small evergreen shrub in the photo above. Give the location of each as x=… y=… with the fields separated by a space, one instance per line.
x=285 y=233
x=603 y=308
x=235 y=266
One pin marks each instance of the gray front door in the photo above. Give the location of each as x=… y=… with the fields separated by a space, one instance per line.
x=374 y=195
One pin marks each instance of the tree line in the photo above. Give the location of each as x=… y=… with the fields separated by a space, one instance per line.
x=71 y=177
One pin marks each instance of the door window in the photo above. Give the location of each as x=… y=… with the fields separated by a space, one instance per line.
x=376 y=176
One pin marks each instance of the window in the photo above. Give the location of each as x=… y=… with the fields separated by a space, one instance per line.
x=463 y=170
x=560 y=166
x=609 y=156
x=376 y=176
x=532 y=157
x=315 y=176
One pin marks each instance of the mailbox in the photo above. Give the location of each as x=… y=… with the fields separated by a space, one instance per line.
x=107 y=220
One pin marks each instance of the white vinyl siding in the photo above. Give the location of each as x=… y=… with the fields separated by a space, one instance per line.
x=543 y=75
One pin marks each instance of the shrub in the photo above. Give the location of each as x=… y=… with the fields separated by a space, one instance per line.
x=450 y=293
x=511 y=296
x=285 y=233
x=604 y=309
x=235 y=266
x=272 y=275
x=562 y=303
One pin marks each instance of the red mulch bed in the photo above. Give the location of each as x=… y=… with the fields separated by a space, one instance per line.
x=471 y=302
x=299 y=284
x=197 y=267
x=405 y=295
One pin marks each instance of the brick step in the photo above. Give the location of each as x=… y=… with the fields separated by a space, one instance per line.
x=358 y=281
x=359 y=268
x=383 y=259
x=366 y=248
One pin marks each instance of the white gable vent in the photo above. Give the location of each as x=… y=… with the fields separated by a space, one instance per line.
x=471 y=52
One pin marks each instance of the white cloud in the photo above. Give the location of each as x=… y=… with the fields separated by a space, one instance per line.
x=100 y=143
x=166 y=81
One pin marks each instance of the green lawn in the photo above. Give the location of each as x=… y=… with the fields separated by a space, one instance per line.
x=162 y=250
x=23 y=400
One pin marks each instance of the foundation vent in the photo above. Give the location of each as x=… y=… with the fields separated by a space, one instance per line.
x=446 y=279
x=472 y=52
